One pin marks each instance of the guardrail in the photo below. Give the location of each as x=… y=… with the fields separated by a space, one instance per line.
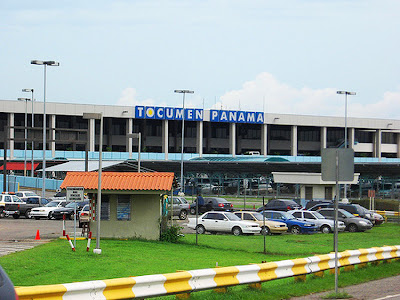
x=197 y=280
x=386 y=213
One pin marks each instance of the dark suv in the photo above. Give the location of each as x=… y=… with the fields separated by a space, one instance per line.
x=211 y=203
x=280 y=204
x=355 y=209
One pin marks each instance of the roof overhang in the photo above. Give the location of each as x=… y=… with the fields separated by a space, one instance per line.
x=307 y=178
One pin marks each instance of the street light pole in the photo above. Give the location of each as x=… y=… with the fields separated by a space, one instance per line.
x=183 y=130
x=25 y=130
x=33 y=122
x=345 y=126
x=45 y=64
x=98 y=116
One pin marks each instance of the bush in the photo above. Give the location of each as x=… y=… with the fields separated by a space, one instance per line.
x=172 y=234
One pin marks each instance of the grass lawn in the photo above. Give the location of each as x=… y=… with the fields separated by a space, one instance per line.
x=55 y=262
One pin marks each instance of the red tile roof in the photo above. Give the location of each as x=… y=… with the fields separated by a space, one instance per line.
x=155 y=181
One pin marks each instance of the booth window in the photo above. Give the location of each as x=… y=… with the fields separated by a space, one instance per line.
x=105 y=208
x=123 y=208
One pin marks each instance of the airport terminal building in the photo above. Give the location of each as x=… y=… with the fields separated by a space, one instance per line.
x=207 y=131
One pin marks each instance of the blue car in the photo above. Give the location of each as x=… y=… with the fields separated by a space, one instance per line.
x=294 y=226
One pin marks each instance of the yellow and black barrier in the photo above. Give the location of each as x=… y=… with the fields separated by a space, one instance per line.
x=185 y=282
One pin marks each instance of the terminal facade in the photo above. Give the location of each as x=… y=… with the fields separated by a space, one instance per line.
x=206 y=131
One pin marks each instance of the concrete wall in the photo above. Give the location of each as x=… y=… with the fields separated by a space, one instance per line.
x=318 y=191
x=144 y=222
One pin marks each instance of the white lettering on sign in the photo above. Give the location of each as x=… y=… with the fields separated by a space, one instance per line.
x=75 y=193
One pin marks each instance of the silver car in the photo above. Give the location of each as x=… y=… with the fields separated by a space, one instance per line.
x=181 y=207
x=324 y=225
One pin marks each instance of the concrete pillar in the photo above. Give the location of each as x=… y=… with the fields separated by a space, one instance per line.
x=11 y=134
x=92 y=134
x=398 y=145
x=351 y=137
x=378 y=143
x=294 y=141
x=52 y=134
x=323 y=137
x=165 y=142
x=232 y=139
x=199 y=142
x=129 y=130
x=264 y=139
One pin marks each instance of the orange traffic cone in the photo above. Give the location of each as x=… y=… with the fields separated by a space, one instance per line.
x=37 y=235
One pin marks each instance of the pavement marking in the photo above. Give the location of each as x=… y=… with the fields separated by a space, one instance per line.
x=389 y=297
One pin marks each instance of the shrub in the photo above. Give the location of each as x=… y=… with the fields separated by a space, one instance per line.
x=172 y=234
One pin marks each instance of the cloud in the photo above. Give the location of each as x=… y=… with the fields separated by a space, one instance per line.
x=129 y=98
x=266 y=93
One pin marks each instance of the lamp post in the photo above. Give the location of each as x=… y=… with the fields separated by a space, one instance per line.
x=25 y=130
x=184 y=92
x=33 y=122
x=45 y=64
x=139 y=137
x=345 y=126
x=98 y=116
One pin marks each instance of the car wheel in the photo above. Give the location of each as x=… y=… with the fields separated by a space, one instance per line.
x=28 y=214
x=16 y=216
x=295 y=229
x=265 y=231
x=50 y=216
x=80 y=225
x=193 y=211
x=200 y=229
x=183 y=215
x=2 y=213
x=236 y=231
x=71 y=217
x=353 y=228
x=325 y=229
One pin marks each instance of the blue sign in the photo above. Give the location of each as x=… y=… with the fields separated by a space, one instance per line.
x=194 y=114
x=236 y=116
x=168 y=113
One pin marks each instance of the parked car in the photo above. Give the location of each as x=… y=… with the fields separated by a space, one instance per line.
x=68 y=210
x=352 y=222
x=271 y=227
x=211 y=203
x=378 y=218
x=84 y=215
x=9 y=205
x=280 y=204
x=218 y=221
x=294 y=226
x=355 y=209
x=26 y=194
x=7 y=290
x=180 y=207
x=324 y=225
x=47 y=210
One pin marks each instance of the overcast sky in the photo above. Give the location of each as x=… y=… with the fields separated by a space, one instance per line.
x=273 y=56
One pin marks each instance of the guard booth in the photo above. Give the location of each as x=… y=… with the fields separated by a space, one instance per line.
x=311 y=185
x=131 y=203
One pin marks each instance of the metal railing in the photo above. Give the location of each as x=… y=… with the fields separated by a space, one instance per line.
x=203 y=279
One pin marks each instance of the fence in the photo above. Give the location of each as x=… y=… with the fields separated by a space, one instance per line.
x=197 y=280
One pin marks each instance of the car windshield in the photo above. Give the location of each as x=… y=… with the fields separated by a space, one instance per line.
x=72 y=205
x=52 y=204
x=16 y=199
x=363 y=209
x=221 y=200
x=183 y=200
x=258 y=216
x=347 y=214
x=286 y=215
x=232 y=217
x=318 y=215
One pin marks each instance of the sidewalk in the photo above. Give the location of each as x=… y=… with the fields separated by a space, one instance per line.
x=387 y=288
